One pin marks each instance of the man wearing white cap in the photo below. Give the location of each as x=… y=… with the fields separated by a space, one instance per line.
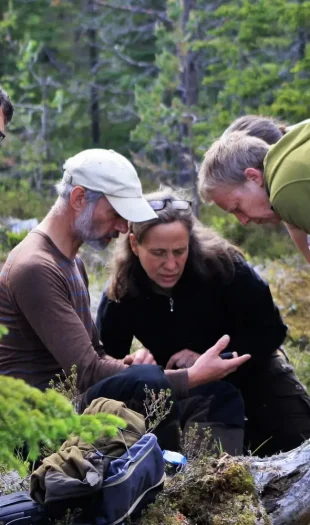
x=44 y=300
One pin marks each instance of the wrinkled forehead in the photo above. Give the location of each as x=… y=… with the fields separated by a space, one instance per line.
x=226 y=196
x=165 y=234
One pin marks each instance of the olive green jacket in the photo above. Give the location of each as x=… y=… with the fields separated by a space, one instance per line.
x=287 y=176
x=78 y=468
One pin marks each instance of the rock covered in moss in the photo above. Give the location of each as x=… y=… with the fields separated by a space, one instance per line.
x=209 y=491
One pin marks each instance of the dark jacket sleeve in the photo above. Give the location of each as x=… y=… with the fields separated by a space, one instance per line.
x=254 y=320
x=114 y=326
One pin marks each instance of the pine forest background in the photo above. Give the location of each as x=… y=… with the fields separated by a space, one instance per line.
x=157 y=80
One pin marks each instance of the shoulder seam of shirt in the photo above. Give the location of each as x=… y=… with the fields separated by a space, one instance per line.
x=288 y=184
x=7 y=277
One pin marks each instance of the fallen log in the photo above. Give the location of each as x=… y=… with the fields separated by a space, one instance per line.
x=238 y=491
x=283 y=484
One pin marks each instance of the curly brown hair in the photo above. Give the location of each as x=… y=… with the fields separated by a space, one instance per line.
x=209 y=254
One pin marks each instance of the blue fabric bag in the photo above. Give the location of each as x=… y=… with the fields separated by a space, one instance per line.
x=18 y=508
x=133 y=481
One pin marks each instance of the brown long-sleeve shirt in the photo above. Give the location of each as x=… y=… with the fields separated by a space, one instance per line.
x=44 y=303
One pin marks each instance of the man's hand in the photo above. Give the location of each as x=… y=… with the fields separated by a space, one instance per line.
x=183 y=359
x=211 y=367
x=140 y=357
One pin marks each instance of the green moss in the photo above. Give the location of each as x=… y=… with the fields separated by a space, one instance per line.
x=236 y=478
x=209 y=492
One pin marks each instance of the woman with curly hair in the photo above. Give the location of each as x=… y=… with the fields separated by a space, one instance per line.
x=177 y=287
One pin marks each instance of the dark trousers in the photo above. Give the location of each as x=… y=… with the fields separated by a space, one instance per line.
x=216 y=405
x=129 y=386
x=277 y=408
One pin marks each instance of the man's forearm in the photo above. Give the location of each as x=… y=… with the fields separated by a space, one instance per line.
x=300 y=239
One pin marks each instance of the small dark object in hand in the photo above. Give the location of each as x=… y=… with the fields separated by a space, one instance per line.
x=226 y=355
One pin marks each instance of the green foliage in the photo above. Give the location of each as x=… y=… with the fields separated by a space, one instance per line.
x=21 y=202
x=70 y=68
x=167 y=79
x=31 y=418
x=215 y=63
x=3 y=330
x=300 y=359
x=15 y=238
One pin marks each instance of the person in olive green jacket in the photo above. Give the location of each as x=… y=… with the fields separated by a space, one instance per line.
x=259 y=182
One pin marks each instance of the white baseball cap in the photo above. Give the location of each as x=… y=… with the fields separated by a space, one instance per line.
x=113 y=175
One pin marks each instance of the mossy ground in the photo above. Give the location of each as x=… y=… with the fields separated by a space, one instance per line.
x=290 y=286
x=209 y=491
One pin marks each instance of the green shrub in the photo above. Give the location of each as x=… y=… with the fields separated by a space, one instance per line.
x=3 y=330
x=34 y=418
x=21 y=202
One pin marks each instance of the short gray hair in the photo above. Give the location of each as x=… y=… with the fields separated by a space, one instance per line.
x=268 y=129
x=225 y=162
x=64 y=190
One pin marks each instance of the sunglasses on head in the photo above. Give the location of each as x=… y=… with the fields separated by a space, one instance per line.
x=2 y=136
x=158 y=205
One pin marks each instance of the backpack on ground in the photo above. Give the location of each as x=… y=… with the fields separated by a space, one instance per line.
x=133 y=481
x=19 y=509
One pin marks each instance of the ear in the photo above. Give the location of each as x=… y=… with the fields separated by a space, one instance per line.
x=77 y=198
x=133 y=243
x=255 y=175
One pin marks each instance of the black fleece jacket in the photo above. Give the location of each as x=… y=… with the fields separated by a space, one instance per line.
x=195 y=316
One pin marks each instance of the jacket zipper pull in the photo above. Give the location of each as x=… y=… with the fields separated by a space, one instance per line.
x=171 y=304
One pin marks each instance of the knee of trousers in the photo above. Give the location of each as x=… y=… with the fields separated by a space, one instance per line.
x=227 y=404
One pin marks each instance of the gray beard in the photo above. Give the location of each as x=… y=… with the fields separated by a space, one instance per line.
x=83 y=229
x=97 y=244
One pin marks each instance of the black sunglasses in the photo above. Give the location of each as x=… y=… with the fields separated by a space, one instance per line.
x=158 y=205
x=2 y=136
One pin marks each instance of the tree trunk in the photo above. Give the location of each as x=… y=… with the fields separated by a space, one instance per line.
x=189 y=97
x=93 y=59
